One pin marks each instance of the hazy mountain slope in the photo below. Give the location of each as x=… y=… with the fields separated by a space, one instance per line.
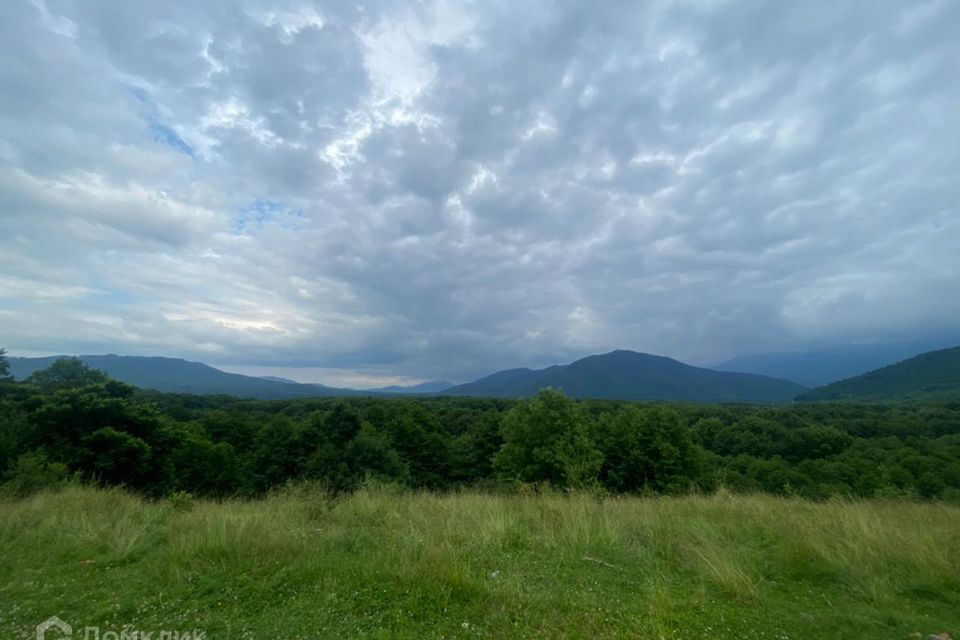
x=929 y=376
x=629 y=375
x=173 y=375
x=822 y=366
x=279 y=379
x=431 y=386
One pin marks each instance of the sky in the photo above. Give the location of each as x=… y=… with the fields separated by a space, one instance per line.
x=381 y=192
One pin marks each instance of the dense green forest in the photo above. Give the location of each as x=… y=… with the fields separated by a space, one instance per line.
x=72 y=423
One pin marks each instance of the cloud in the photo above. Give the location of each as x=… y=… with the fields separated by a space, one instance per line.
x=385 y=191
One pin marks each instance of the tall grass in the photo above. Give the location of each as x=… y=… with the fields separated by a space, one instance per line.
x=386 y=564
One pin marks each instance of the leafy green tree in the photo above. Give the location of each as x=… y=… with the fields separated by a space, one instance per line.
x=323 y=445
x=415 y=435
x=547 y=439
x=65 y=418
x=4 y=367
x=116 y=457
x=371 y=454
x=752 y=435
x=15 y=431
x=472 y=453
x=191 y=462
x=237 y=430
x=647 y=448
x=342 y=424
x=66 y=373
x=773 y=475
x=275 y=455
x=706 y=430
x=816 y=441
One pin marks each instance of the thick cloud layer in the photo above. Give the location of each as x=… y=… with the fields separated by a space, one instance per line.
x=395 y=191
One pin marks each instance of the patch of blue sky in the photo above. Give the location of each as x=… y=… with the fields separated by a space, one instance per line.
x=261 y=211
x=169 y=137
x=161 y=132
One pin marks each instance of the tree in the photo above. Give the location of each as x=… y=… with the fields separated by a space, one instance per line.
x=195 y=464
x=370 y=454
x=64 y=419
x=425 y=451
x=473 y=451
x=817 y=441
x=15 y=430
x=274 y=456
x=342 y=424
x=66 y=373
x=237 y=430
x=4 y=366
x=647 y=448
x=116 y=456
x=547 y=439
x=323 y=446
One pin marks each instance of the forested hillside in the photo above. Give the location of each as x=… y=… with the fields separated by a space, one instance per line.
x=622 y=375
x=628 y=375
x=72 y=422
x=173 y=375
x=933 y=376
x=819 y=367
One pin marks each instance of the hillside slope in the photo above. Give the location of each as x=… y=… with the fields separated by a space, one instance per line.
x=628 y=375
x=172 y=375
x=424 y=388
x=930 y=376
x=821 y=367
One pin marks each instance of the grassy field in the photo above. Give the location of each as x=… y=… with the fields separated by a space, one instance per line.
x=383 y=564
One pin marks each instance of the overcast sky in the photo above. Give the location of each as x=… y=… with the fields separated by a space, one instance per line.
x=398 y=191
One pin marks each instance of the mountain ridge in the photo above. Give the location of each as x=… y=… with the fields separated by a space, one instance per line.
x=825 y=365
x=619 y=374
x=175 y=375
x=629 y=375
x=428 y=387
x=934 y=375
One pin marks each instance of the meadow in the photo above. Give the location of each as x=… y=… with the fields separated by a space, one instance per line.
x=389 y=563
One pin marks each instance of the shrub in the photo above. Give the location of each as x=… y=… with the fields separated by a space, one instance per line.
x=31 y=473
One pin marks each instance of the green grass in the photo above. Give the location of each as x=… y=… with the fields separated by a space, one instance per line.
x=383 y=564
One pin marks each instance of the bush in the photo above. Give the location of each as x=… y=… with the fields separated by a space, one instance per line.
x=31 y=473
x=180 y=501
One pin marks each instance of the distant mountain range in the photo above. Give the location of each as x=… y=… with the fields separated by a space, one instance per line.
x=172 y=375
x=621 y=375
x=628 y=375
x=930 y=376
x=430 y=387
x=625 y=375
x=819 y=367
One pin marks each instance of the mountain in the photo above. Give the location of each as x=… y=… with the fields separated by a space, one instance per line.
x=930 y=376
x=172 y=375
x=822 y=366
x=431 y=386
x=628 y=375
x=279 y=379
